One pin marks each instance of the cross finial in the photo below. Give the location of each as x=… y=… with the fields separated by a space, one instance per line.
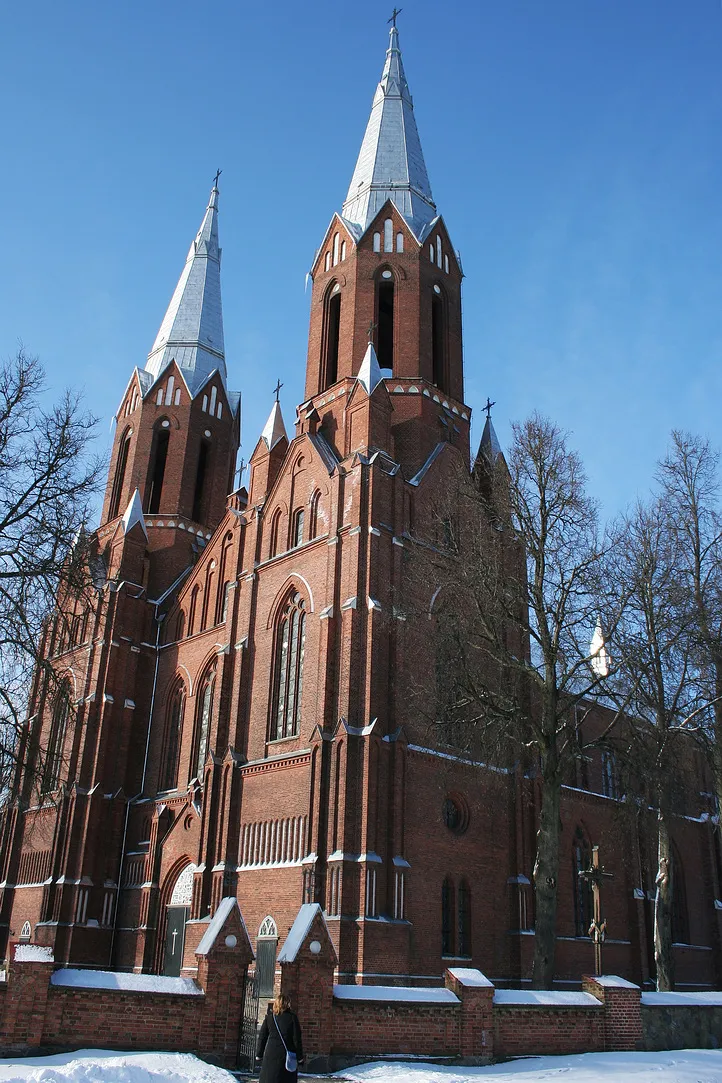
x=277 y=390
x=394 y=14
x=215 y=179
x=488 y=407
x=372 y=328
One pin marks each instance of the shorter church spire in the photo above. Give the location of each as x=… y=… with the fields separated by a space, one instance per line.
x=369 y=375
x=134 y=515
x=274 y=429
x=192 y=329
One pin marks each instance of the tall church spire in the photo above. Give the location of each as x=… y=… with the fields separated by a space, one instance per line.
x=192 y=329
x=391 y=163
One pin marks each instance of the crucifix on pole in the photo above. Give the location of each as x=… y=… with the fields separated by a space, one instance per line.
x=598 y=928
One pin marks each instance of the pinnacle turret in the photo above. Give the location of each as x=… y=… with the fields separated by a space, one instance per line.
x=391 y=163
x=274 y=429
x=192 y=329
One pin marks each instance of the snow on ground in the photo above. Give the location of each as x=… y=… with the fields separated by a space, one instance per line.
x=103 y=1066
x=676 y=1066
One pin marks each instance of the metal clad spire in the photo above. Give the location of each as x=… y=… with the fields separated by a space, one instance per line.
x=369 y=375
x=274 y=429
x=391 y=163
x=192 y=329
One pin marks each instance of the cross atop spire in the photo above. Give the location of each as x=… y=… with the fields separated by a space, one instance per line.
x=192 y=329
x=394 y=15
x=391 y=163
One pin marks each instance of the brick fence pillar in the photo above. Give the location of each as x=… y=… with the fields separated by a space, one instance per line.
x=26 y=996
x=622 y=1002
x=223 y=956
x=476 y=1024
x=308 y=959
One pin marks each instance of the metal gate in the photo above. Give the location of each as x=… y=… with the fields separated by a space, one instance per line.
x=248 y=1036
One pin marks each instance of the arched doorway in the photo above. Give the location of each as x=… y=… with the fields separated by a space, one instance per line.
x=266 y=944
x=177 y=913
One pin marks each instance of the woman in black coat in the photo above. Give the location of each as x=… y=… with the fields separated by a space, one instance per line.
x=271 y=1049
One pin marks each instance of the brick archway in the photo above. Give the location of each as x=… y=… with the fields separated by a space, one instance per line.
x=164 y=898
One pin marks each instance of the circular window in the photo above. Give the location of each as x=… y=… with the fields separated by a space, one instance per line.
x=437 y=289
x=386 y=274
x=455 y=812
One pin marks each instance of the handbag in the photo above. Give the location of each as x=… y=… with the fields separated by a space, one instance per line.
x=291 y=1058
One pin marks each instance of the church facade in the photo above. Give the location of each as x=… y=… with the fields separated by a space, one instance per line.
x=234 y=713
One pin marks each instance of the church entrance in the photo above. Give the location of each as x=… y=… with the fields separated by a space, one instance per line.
x=177 y=913
x=266 y=944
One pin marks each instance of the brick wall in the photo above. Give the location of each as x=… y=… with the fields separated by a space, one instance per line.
x=520 y=1031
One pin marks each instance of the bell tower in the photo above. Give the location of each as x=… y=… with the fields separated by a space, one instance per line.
x=387 y=271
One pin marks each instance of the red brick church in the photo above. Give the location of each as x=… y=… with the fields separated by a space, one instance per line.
x=234 y=715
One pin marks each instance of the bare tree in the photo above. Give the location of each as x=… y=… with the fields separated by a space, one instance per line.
x=47 y=485
x=520 y=584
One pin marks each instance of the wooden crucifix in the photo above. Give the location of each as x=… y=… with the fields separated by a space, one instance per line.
x=598 y=928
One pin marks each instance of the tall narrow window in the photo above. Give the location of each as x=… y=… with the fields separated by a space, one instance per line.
x=332 y=326
x=168 y=779
x=192 y=612
x=447 y=917
x=438 y=341
x=581 y=860
x=335 y=249
x=313 y=515
x=290 y=646
x=377 y=242
x=275 y=533
x=385 y=323
x=56 y=743
x=156 y=472
x=200 y=486
x=119 y=479
x=297 y=538
x=609 y=775
x=388 y=235
x=463 y=933
x=203 y=725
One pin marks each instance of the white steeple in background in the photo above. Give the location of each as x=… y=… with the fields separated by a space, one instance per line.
x=370 y=375
x=192 y=330
x=274 y=429
x=391 y=163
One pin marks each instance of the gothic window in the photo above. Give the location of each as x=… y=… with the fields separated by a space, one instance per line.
x=192 y=611
x=288 y=670
x=204 y=721
x=385 y=320
x=327 y=262
x=313 y=515
x=330 y=339
x=169 y=390
x=119 y=480
x=225 y=599
x=388 y=235
x=214 y=396
x=56 y=742
x=432 y=255
x=223 y=581
x=168 y=779
x=343 y=251
x=463 y=932
x=609 y=775
x=377 y=242
x=399 y=242
x=335 y=249
x=581 y=859
x=446 y=264
x=181 y=625
x=447 y=917
x=204 y=452
x=156 y=468
x=297 y=536
x=438 y=250
x=275 y=531
x=438 y=338
x=208 y=597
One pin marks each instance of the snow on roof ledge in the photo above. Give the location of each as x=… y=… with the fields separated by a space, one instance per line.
x=126 y=983
x=470 y=977
x=299 y=931
x=611 y=981
x=408 y=994
x=33 y=953
x=225 y=908
x=546 y=998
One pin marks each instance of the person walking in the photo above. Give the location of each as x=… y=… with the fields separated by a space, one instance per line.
x=280 y=1047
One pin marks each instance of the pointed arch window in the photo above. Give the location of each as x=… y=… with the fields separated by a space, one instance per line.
x=199 y=491
x=288 y=670
x=56 y=742
x=447 y=917
x=377 y=242
x=297 y=534
x=192 y=611
x=388 y=235
x=581 y=860
x=275 y=533
x=399 y=242
x=120 y=471
x=330 y=337
x=168 y=779
x=335 y=248
x=438 y=338
x=463 y=931
x=385 y=319
x=204 y=721
x=156 y=467
x=313 y=515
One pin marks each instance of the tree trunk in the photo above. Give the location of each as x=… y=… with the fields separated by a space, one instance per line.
x=663 y=954
x=546 y=873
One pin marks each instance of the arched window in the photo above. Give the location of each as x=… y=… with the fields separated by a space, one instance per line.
x=438 y=249
x=56 y=742
x=399 y=242
x=199 y=491
x=327 y=262
x=377 y=242
x=335 y=249
x=204 y=720
x=581 y=860
x=388 y=235
x=156 y=468
x=432 y=254
x=192 y=611
x=463 y=932
x=275 y=533
x=438 y=338
x=180 y=625
x=208 y=597
x=385 y=320
x=313 y=515
x=297 y=535
x=343 y=251
x=288 y=670
x=330 y=339
x=119 y=480
x=447 y=917
x=168 y=779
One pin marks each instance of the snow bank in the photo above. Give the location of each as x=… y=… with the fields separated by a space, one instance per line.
x=385 y=993
x=101 y=1066
x=33 y=953
x=683 y=1000
x=127 y=983
x=677 y=1066
x=545 y=998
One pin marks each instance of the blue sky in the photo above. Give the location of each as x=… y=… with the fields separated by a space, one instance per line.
x=573 y=147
